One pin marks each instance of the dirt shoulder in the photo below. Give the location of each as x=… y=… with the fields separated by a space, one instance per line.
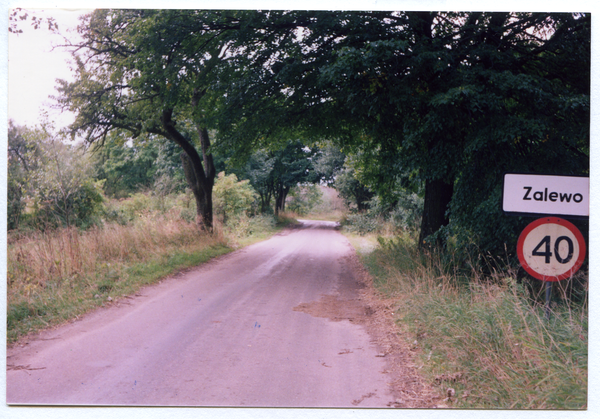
x=357 y=301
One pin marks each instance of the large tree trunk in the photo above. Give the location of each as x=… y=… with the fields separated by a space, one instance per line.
x=265 y=201
x=363 y=197
x=199 y=172
x=282 y=192
x=209 y=180
x=203 y=200
x=278 y=202
x=438 y=195
x=437 y=192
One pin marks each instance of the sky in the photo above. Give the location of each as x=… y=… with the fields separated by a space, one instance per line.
x=34 y=63
x=33 y=68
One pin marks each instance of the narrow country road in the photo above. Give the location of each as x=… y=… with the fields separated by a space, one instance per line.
x=268 y=325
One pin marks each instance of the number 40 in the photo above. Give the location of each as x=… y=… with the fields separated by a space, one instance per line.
x=545 y=243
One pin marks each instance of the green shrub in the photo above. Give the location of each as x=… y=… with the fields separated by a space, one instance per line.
x=80 y=207
x=231 y=197
x=304 y=198
x=245 y=226
x=136 y=205
x=362 y=223
x=404 y=215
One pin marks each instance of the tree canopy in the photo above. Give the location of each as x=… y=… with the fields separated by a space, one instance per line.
x=439 y=102
x=449 y=100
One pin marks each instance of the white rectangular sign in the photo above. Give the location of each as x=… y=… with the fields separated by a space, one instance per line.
x=546 y=194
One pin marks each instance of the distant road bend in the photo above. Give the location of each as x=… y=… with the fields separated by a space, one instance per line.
x=265 y=326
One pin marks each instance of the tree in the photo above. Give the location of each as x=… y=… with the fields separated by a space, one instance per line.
x=273 y=173
x=168 y=171
x=165 y=72
x=54 y=177
x=440 y=101
x=449 y=100
x=280 y=94
x=352 y=191
x=150 y=72
x=64 y=191
x=497 y=105
x=126 y=166
x=258 y=170
x=304 y=198
x=292 y=165
x=329 y=162
x=23 y=157
x=17 y=15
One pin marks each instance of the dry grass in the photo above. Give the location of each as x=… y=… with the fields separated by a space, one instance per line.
x=483 y=339
x=57 y=275
x=43 y=257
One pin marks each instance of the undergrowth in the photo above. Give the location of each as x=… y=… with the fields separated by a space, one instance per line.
x=483 y=340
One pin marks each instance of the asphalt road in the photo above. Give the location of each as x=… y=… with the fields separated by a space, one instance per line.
x=262 y=326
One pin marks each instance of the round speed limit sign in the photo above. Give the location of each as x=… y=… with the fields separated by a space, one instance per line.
x=551 y=249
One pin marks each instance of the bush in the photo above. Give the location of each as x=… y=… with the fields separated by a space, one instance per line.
x=362 y=223
x=245 y=226
x=262 y=222
x=404 y=215
x=136 y=205
x=80 y=207
x=231 y=197
x=407 y=213
x=56 y=180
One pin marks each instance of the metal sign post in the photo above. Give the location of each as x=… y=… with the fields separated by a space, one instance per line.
x=548 y=297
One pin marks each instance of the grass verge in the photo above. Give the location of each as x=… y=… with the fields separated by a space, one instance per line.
x=64 y=299
x=482 y=341
x=55 y=277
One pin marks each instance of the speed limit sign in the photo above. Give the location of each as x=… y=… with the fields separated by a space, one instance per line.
x=551 y=249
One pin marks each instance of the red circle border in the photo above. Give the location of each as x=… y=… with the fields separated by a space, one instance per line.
x=552 y=220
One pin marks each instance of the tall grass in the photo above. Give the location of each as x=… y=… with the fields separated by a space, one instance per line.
x=483 y=340
x=55 y=276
